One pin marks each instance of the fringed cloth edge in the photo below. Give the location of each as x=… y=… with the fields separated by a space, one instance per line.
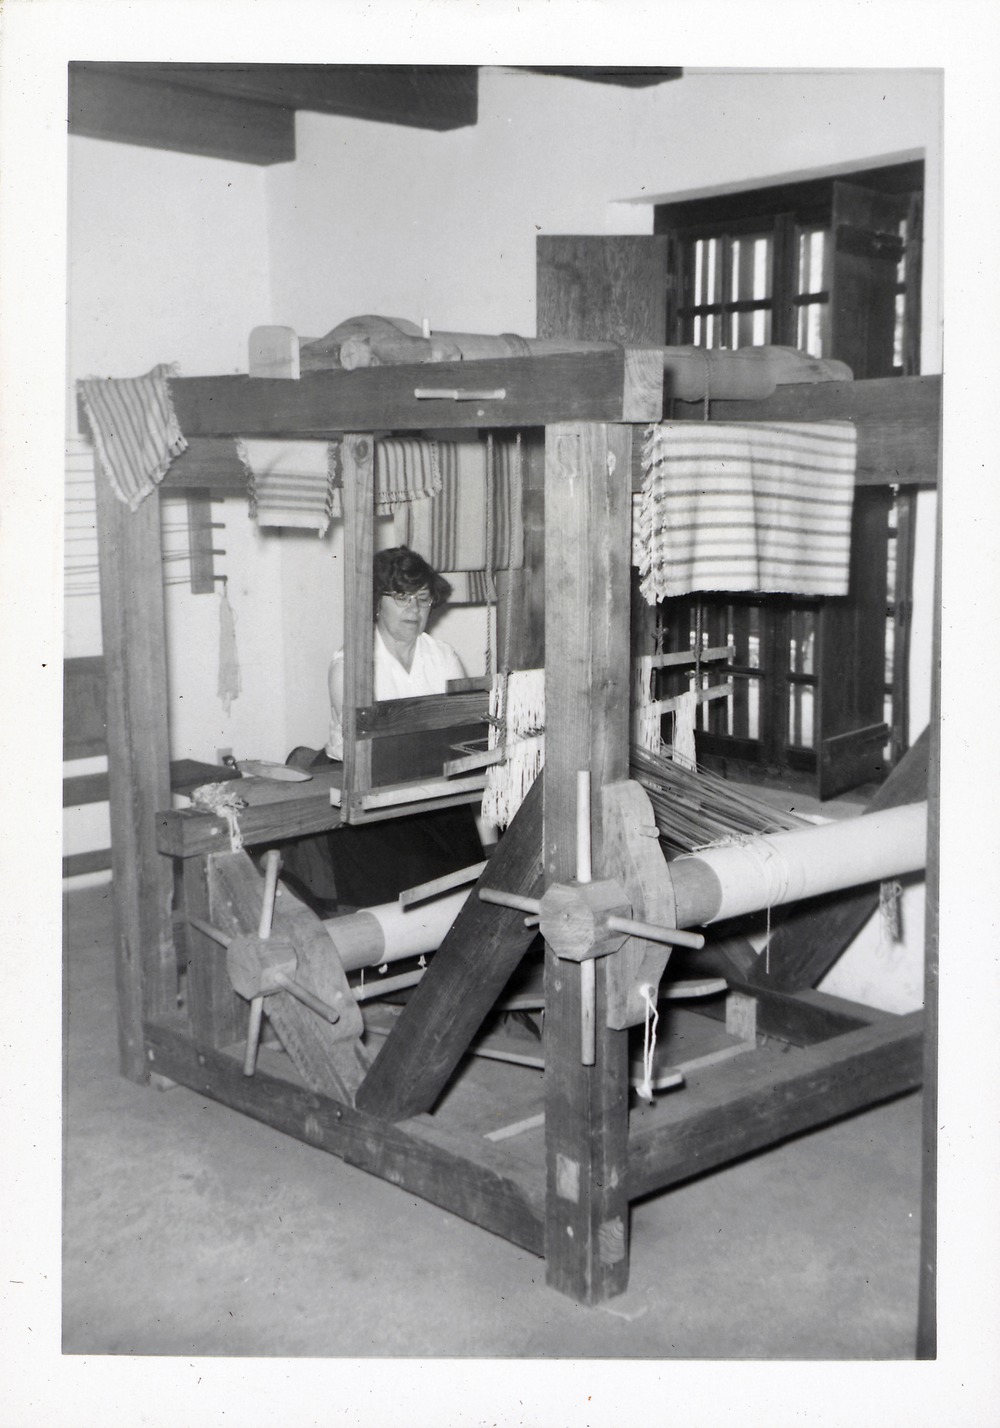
x=134 y=428
x=763 y=506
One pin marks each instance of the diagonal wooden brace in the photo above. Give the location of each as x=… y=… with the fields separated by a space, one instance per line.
x=462 y=982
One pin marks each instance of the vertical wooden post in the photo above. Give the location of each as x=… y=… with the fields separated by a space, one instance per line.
x=134 y=637
x=927 y=1311
x=587 y=584
x=358 y=461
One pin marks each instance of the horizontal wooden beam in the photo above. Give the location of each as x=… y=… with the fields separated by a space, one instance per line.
x=464 y=1173
x=744 y=1105
x=429 y=711
x=185 y=775
x=898 y=421
x=96 y=860
x=186 y=833
x=209 y=463
x=801 y=1019
x=121 y=103
x=421 y=96
x=616 y=385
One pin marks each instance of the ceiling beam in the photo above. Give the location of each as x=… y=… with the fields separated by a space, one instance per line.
x=632 y=76
x=107 y=103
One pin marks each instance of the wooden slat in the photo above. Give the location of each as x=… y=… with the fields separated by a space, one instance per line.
x=462 y=1173
x=185 y=774
x=97 y=860
x=133 y=638
x=898 y=421
x=597 y=386
x=761 y=1099
x=428 y=711
x=463 y=981
x=80 y=789
x=587 y=681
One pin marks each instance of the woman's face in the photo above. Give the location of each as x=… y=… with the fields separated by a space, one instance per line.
x=404 y=622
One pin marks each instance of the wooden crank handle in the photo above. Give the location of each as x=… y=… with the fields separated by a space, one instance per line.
x=672 y=936
x=272 y=866
x=508 y=899
x=307 y=998
x=253 y=1035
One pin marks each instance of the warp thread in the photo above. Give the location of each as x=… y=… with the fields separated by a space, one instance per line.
x=685 y=718
x=517 y=725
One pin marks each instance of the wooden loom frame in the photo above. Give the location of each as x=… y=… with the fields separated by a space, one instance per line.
x=575 y=1209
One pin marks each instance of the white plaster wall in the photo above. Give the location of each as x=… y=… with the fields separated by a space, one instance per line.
x=168 y=263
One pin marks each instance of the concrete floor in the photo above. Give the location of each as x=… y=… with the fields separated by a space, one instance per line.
x=190 y=1230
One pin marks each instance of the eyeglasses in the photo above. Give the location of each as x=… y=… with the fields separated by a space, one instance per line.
x=421 y=598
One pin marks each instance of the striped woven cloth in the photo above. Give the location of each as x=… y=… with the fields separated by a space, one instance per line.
x=450 y=531
x=300 y=483
x=762 y=506
x=135 y=431
x=291 y=483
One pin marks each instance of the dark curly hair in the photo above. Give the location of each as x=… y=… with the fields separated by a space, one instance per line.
x=401 y=571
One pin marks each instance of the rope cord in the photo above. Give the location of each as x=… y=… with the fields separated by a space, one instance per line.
x=645 y=1090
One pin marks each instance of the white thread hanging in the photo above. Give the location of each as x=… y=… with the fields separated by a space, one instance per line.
x=685 y=718
x=645 y=1088
x=517 y=725
x=230 y=677
x=645 y=715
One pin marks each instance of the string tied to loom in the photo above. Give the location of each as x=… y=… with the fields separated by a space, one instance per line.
x=645 y=1088
x=220 y=799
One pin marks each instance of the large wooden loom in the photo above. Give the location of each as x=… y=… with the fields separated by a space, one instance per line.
x=571 y=1203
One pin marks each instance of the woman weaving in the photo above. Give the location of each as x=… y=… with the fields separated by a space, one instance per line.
x=365 y=864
